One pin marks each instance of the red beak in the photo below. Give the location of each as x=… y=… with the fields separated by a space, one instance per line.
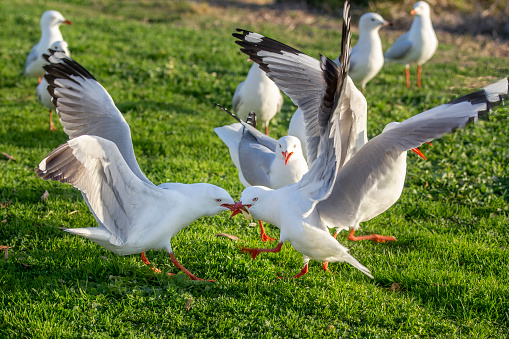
x=287 y=156
x=67 y=22
x=238 y=208
x=419 y=153
x=413 y=12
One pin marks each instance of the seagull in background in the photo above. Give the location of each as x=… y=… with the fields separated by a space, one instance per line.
x=41 y=91
x=417 y=45
x=133 y=215
x=258 y=94
x=367 y=57
x=260 y=159
x=50 y=33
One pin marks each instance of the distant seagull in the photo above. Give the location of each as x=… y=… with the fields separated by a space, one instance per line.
x=258 y=94
x=133 y=215
x=41 y=91
x=262 y=160
x=367 y=56
x=50 y=33
x=335 y=193
x=417 y=45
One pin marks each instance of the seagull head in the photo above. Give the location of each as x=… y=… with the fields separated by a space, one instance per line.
x=52 y=19
x=287 y=147
x=372 y=21
x=421 y=8
x=212 y=199
x=252 y=199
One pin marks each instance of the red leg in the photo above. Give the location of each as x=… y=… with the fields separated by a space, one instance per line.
x=255 y=251
x=185 y=270
x=267 y=129
x=51 y=125
x=303 y=271
x=264 y=235
x=325 y=266
x=419 y=75
x=407 y=77
x=374 y=237
x=335 y=234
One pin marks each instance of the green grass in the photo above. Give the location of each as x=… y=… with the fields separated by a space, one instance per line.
x=164 y=63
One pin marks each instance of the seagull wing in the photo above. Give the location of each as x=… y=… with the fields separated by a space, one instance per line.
x=114 y=193
x=400 y=47
x=86 y=108
x=361 y=174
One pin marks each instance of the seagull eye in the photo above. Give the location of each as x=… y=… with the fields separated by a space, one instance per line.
x=255 y=199
x=219 y=200
x=295 y=146
x=372 y=19
x=280 y=146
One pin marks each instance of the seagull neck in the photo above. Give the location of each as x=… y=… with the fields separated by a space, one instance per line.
x=50 y=35
x=370 y=38
x=423 y=22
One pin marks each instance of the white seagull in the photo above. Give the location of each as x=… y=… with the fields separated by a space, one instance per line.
x=367 y=57
x=133 y=215
x=41 y=91
x=417 y=45
x=335 y=193
x=262 y=160
x=258 y=94
x=50 y=33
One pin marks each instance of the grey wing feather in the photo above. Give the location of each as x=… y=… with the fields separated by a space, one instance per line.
x=32 y=56
x=86 y=108
x=400 y=47
x=95 y=166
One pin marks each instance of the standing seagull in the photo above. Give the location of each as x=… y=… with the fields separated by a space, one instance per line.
x=133 y=215
x=262 y=160
x=258 y=94
x=50 y=33
x=335 y=193
x=41 y=91
x=367 y=57
x=417 y=45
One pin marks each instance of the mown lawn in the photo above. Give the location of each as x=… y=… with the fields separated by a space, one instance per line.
x=164 y=63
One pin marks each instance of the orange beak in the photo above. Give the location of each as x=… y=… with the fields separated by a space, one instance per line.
x=413 y=12
x=287 y=156
x=419 y=153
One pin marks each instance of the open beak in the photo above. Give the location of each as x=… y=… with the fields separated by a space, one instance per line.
x=67 y=22
x=231 y=207
x=287 y=156
x=419 y=153
x=239 y=207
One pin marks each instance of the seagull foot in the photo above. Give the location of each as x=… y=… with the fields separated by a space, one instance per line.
x=373 y=237
x=325 y=266
x=300 y=274
x=146 y=262
x=264 y=235
x=255 y=251
x=185 y=270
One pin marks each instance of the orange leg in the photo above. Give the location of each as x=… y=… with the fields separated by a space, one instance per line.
x=264 y=235
x=185 y=270
x=335 y=234
x=407 y=77
x=51 y=125
x=419 y=69
x=325 y=266
x=267 y=129
x=374 y=237
x=255 y=251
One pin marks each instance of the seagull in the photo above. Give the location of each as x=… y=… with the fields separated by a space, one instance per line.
x=50 y=33
x=417 y=45
x=367 y=57
x=41 y=91
x=259 y=94
x=335 y=193
x=262 y=160
x=133 y=215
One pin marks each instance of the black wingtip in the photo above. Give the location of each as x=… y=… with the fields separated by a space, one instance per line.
x=228 y=111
